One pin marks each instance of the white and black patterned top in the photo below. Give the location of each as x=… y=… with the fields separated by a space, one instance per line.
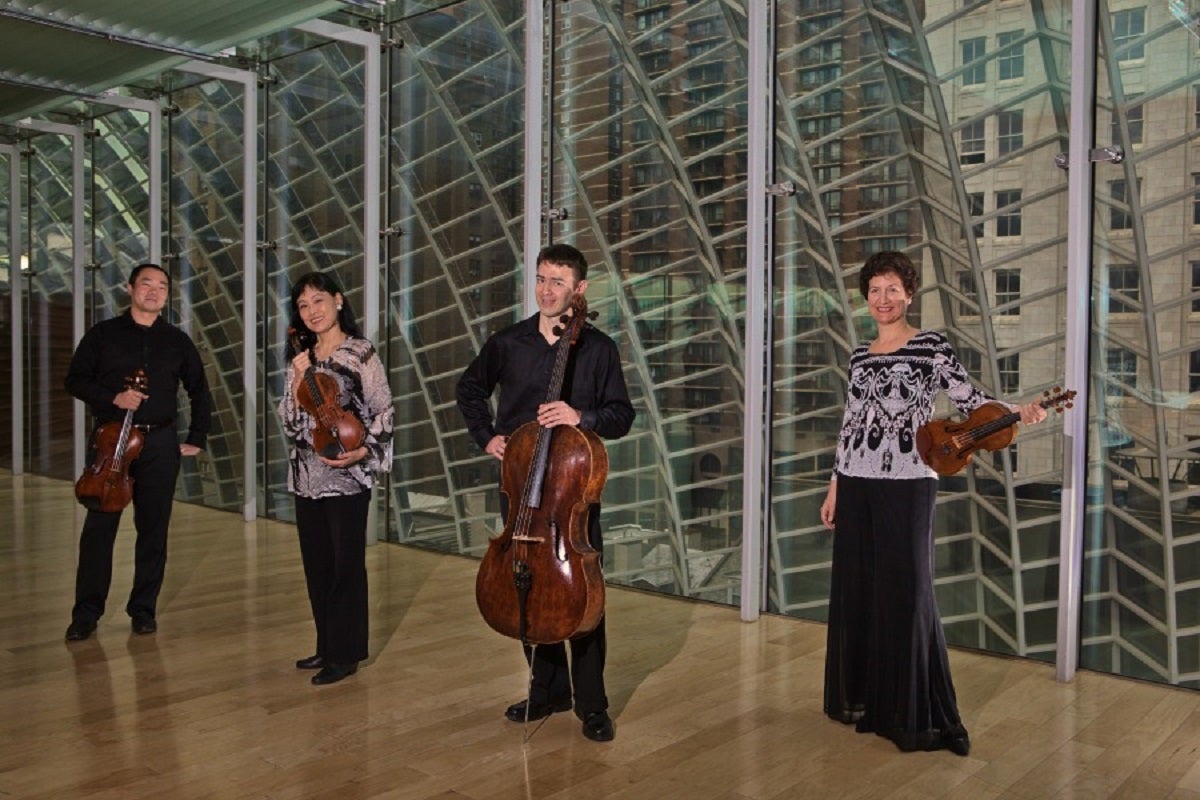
x=889 y=396
x=363 y=390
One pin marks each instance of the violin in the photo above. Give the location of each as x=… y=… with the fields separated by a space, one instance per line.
x=947 y=446
x=105 y=484
x=540 y=580
x=335 y=430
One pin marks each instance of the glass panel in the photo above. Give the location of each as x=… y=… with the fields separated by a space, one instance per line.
x=933 y=133
x=205 y=236
x=648 y=117
x=49 y=336
x=455 y=190
x=1144 y=463
x=7 y=275
x=313 y=162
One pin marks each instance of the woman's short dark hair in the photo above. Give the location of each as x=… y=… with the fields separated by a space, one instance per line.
x=564 y=255
x=889 y=261
x=321 y=282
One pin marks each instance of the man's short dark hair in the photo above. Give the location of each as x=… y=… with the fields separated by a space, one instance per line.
x=564 y=255
x=889 y=261
x=140 y=268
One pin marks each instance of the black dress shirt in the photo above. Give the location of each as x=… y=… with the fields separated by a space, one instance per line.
x=520 y=361
x=116 y=348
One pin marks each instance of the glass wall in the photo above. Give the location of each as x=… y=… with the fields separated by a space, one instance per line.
x=48 y=336
x=10 y=267
x=1141 y=614
x=931 y=128
x=647 y=120
x=455 y=194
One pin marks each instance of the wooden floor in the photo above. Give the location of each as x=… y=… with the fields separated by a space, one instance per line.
x=705 y=706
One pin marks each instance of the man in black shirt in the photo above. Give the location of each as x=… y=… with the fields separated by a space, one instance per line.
x=520 y=359
x=108 y=354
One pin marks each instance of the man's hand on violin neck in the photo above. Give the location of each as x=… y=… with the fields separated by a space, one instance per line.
x=129 y=400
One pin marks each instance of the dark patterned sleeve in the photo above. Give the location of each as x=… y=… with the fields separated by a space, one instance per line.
x=378 y=414
x=953 y=379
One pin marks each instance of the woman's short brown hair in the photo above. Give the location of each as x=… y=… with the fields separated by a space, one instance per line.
x=889 y=261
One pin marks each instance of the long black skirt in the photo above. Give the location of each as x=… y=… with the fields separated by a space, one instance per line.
x=886 y=669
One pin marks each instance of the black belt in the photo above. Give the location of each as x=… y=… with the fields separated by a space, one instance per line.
x=153 y=426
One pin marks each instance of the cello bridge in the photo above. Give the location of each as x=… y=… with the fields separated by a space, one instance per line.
x=534 y=539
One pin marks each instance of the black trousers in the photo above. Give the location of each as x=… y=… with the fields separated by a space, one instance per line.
x=333 y=547
x=583 y=679
x=154 y=472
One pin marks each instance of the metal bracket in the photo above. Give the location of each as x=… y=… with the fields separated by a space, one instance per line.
x=391 y=230
x=785 y=189
x=1113 y=154
x=556 y=214
x=264 y=246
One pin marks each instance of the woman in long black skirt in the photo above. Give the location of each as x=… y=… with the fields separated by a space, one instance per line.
x=886 y=669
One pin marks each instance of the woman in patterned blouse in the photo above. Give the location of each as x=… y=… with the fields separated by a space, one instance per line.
x=334 y=494
x=886 y=668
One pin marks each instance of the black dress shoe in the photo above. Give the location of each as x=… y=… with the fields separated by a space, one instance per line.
x=598 y=726
x=516 y=712
x=142 y=625
x=332 y=673
x=312 y=662
x=80 y=629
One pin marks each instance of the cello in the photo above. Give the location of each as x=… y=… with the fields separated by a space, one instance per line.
x=106 y=484
x=540 y=580
x=947 y=446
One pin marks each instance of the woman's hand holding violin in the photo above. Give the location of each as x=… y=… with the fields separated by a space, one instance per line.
x=347 y=458
x=1032 y=413
x=300 y=365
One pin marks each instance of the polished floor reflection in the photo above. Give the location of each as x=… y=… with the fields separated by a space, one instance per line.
x=705 y=706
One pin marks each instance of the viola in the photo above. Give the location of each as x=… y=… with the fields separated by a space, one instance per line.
x=540 y=580
x=335 y=430
x=106 y=484
x=947 y=446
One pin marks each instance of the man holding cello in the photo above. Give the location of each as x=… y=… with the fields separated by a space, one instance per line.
x=520 y=360
x=107 y=355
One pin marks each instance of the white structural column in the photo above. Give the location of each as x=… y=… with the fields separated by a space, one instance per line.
x=154 y=166
x=535 y=90
x=250 y=348
x=759 y=164
x=78 y=256
x=16 y=285
x=1079 y=257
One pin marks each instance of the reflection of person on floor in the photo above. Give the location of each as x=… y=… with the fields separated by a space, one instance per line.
x=107 y=355
x=886 y=667
x=333 y=494
x=519 y=359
